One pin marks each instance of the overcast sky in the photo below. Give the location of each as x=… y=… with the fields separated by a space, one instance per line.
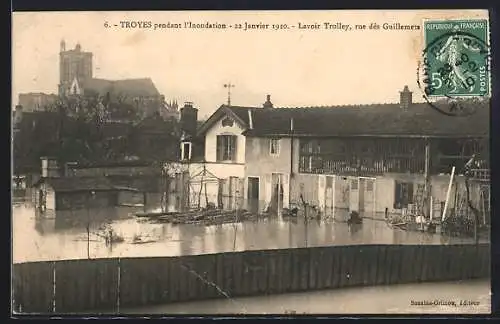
x=296 y=67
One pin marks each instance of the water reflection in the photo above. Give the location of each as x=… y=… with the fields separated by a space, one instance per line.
x=392 y=299
x=45 y=237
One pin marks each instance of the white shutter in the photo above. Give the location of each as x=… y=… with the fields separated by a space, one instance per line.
x=241 y=192
x=321 y=191
x=334 y=192
x=286 y=191
x=267 y=188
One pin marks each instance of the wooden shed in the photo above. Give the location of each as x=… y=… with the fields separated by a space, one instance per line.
x=79 y=192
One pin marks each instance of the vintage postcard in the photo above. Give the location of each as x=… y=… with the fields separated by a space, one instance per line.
x=251 y=162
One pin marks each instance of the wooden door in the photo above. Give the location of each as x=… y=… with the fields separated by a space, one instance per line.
x=353 y=194
x=361 y=195
x=253 y=194
x=369 y=196
x=342 y=193
x=329 y=197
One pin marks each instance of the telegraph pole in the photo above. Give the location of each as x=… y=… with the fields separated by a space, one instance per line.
x=229 y=86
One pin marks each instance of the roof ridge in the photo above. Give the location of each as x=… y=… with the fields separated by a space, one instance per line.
x=340 y=106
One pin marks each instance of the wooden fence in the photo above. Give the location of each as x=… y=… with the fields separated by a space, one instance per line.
x=114 y=284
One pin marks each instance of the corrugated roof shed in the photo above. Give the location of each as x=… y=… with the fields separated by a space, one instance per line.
x=73 y=184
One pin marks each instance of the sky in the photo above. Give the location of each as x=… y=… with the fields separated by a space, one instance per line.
x=297 y=67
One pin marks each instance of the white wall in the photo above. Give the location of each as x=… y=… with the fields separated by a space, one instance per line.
x=211 y=141
x=220 y=170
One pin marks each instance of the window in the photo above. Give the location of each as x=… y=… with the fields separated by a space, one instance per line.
x=186 y=151
x=354 y=184
x=369 y=185
x=274 y=146
x=226 y=147
x=403 y=195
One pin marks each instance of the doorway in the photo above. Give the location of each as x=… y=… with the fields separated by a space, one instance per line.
x=277 y=193
x=362 y=194
x=253 y=194
x=329 y=197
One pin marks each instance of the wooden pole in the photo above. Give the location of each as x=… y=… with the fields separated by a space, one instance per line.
x=304 y=205
x=448 y=194
x=88 y=229
x=431 y=210
x=279 y=195
x=236 y=222
x=88 y=233
x=427 y=185
x=206 y=195
x=483 y=200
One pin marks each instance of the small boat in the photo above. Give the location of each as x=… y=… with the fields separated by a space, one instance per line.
x=137 y=239
x=141 y=241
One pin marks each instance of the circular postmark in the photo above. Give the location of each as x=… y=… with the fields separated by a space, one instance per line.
x=454 y=73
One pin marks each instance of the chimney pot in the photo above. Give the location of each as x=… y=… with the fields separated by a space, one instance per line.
x=405 y=98
x=268 y=103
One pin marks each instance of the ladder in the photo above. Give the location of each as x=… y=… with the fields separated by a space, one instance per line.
x=418 y=204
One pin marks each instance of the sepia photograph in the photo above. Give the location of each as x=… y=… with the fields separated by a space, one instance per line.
x=250 y=162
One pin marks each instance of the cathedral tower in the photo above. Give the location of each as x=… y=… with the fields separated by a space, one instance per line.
x=73 y=64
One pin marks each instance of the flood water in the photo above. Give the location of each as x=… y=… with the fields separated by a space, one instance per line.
x=46 y=237
x=394 y=299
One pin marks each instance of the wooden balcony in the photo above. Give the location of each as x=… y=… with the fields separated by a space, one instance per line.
x=482 y=175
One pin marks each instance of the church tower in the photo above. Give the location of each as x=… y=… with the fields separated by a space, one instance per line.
x=74 y=64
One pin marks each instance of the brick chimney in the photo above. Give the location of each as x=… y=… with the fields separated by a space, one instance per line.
x=268 y=103
x=18 y=114
x=405 y=98
x=189 y=119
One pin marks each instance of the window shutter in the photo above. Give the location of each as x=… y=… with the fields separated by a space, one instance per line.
x=321 y=191
x=268 y=188
x=219 y=148
x=410 y=193
x=286 y=191
x=232 y=156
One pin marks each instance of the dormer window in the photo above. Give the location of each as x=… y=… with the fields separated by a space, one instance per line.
x=274 y=146
x=186 y=148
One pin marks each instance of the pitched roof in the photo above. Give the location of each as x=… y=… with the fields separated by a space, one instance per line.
x=73 y=184
x=368 y=120
x=116 y=130
x=132 y=87
x=106 y=164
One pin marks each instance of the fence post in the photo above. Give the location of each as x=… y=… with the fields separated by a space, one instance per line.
x=53 y=286
x=118 y=287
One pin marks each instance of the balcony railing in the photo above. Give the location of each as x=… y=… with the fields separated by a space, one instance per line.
x=480 y=174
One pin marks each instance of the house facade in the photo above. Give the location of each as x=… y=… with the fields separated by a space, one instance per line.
x=212 y=159
x=371 y=159
x=380 y=158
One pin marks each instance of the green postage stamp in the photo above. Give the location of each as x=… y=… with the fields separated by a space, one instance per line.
x=456 y=58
